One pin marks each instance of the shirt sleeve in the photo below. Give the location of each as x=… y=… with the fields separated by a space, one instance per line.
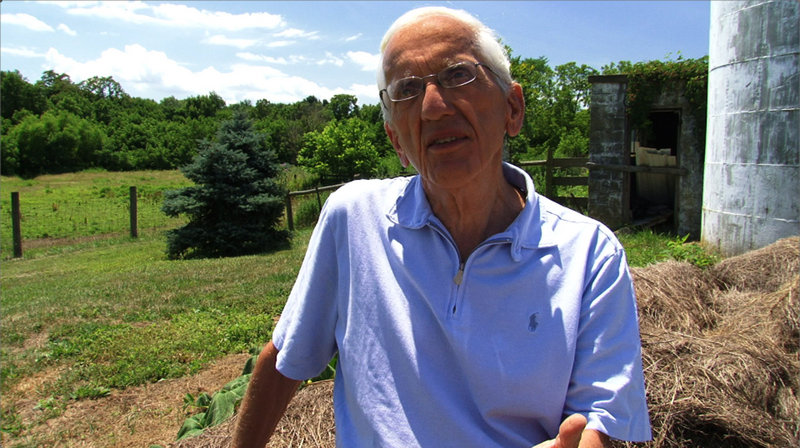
x=607 y=383
x=305 y=334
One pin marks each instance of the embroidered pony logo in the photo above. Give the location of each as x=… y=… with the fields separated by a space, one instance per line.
x=533 y=322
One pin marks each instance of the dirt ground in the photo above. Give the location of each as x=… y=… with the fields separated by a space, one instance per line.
x=135 y=417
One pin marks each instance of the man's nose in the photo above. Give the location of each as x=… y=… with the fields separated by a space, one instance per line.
x=435 y=104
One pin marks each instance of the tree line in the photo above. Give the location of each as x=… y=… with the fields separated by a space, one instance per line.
x=55 y=125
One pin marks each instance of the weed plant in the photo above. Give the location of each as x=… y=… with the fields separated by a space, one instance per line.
x=645 y=247
x=308 y=209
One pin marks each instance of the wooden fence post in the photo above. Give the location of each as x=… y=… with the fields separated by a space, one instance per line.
x=289 y=218
x=134 y=218
x=549 y=188
x=16 y=230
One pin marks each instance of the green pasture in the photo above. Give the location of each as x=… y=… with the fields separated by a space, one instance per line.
x=84 y=204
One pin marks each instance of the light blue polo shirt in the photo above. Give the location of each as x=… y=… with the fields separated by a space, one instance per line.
x=538 y=323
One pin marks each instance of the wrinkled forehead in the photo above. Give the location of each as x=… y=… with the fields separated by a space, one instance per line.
x=435 y=40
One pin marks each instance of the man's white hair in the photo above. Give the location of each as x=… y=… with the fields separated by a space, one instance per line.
x=486 y=43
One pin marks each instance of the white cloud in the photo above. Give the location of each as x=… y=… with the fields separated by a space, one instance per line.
x=28 y=21
x=253 y=57
x=63 y=27
x=247 y=56
x=146 y=73
x=352 y=38
x=293 y=33
x=367 y=61
x=173 y=15
x=331 y=59
x=367 y=93
x=124 y=11
x=219 y=39
x=280 y=43
x=182 y=15
x=22 y=52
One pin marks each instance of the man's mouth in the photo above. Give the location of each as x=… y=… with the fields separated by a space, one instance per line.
x=442 y=141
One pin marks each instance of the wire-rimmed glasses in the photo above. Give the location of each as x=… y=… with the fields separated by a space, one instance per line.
x=408 y=88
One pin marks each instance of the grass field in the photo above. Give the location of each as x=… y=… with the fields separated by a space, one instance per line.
x=116 y=313
x=88 y=203
x=96 y=315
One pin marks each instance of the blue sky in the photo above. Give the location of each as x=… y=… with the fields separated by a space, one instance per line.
x=286 y=51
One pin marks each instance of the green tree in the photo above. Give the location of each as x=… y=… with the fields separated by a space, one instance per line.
x=287 y=124
x=102 y=87
x=556 y=109
x=16 y=94
x=341 y=151
x=204 y=105
x=57 y=142
x=236 y=202
x=343 y=106
x=536 y=78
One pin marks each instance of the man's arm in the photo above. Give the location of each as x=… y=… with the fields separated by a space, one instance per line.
x=572 y=434
x=267 y=397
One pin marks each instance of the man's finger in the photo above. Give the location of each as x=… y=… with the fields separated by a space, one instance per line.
x=569 y=433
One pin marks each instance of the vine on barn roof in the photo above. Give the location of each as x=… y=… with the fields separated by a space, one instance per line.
x=647 y=80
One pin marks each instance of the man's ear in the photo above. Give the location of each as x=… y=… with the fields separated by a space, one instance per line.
x=396 y=144
x=515 y=114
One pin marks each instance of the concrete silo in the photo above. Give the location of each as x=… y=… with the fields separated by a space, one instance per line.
x=751 y=190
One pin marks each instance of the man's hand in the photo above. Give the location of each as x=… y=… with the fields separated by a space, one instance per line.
x=569 y=433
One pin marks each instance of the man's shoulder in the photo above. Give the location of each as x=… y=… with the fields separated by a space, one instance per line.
x=368 y=193
x=564 y=222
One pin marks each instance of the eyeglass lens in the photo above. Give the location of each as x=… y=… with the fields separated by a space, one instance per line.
x=453 y=76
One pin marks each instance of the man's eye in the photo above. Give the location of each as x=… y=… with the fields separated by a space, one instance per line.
x=457 y=75
x=406 y=87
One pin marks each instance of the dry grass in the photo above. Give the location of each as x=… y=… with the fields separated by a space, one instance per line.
x=764 y=270
x=675 y=296
x=131 y=418
x=308 y=422
x=720 y=350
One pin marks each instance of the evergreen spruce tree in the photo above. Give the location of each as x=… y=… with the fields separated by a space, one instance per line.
x=236 y=202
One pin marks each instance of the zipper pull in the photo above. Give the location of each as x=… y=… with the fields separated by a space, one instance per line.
x=459 y=275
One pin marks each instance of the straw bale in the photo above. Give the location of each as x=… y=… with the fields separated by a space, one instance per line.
x=675 y=295
x=776 y=315
x=765 y=269
x=730 y=387
x=308 y=422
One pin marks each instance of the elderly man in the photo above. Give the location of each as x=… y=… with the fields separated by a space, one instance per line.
x=466 y=310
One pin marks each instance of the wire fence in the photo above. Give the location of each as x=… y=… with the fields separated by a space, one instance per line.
x=111 y=212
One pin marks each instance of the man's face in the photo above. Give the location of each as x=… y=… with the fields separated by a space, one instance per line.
x=451 y=136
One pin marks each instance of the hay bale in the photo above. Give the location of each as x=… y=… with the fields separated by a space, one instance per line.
x=776 y=315
x=675 y=295
x=733 y=382
x=730 y=387
x=765 y=269
x=308 y=422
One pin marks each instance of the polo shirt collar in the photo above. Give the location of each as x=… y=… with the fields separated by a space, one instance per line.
x=528 y=231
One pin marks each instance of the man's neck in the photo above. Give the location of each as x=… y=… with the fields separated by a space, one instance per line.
x=475 y=211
